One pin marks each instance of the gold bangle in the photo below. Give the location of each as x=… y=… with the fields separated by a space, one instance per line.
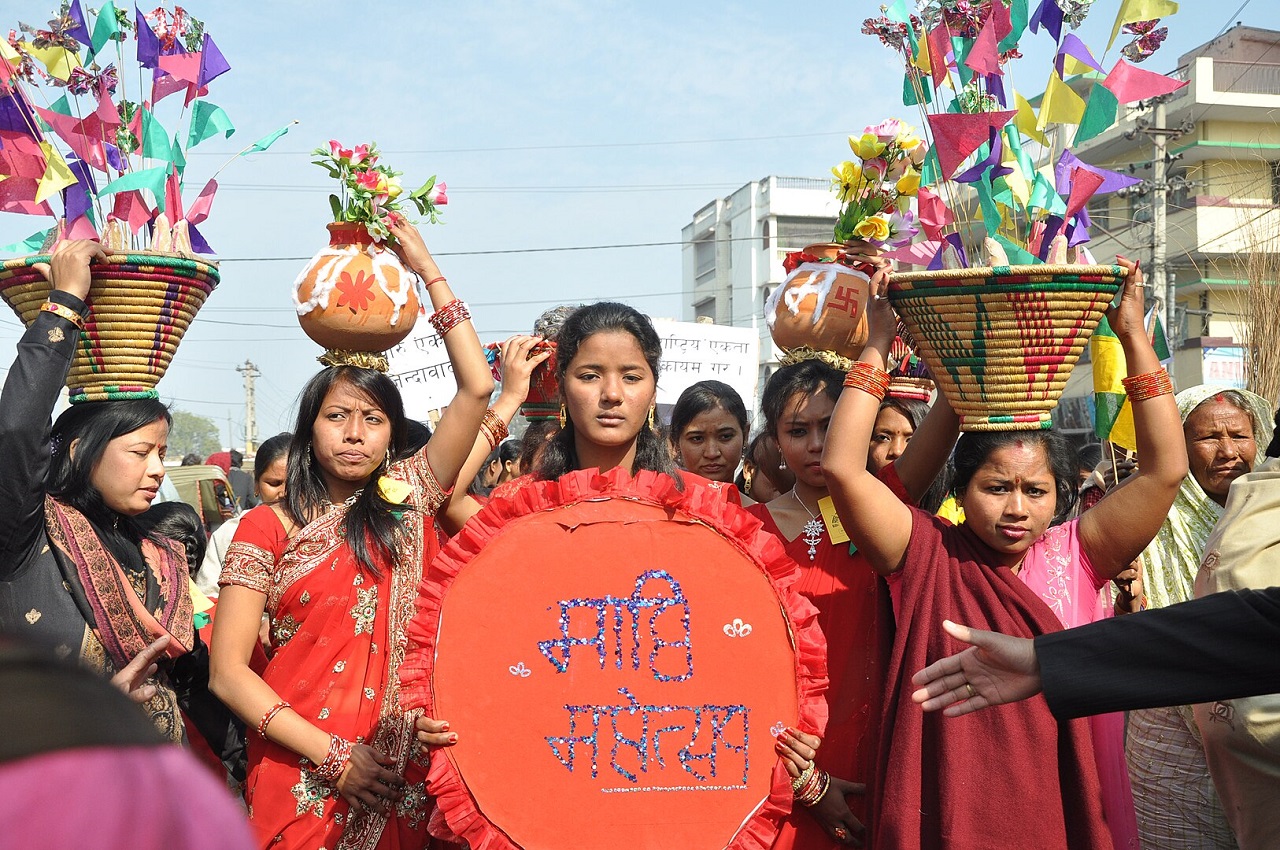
x=64 y=312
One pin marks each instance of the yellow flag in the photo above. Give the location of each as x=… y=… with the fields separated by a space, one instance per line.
x=58 y=61
x=1025 y=120
x=1061 y=105
x=1140 y=10
x=57 y=176
x=923 y=59
x=1017 y=181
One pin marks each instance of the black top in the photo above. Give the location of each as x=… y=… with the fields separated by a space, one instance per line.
x=41 y=598
x=1224 y=646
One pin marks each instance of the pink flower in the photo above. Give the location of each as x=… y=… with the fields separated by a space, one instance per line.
x=360 y=154
x=370 y=181
x=338 y=152
x=887 y=130
x=874 y=169
x=437 y=194
x=902 y=228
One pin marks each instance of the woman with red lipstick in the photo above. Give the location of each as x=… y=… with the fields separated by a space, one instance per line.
x=709 y=427
x=939 y=784
x=853 y=609
x=76 y=571
x=336 y=564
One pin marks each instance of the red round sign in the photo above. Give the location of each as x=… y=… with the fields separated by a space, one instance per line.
x=616 y=656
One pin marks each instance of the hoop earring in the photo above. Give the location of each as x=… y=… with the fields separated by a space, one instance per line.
x=564 y=416
x=653 y=415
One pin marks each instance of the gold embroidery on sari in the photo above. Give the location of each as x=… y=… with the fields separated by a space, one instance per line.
x=283 y=630
x=365 y=611
x=311 y=793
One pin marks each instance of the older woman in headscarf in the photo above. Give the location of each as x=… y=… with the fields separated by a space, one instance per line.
x=1176 y=803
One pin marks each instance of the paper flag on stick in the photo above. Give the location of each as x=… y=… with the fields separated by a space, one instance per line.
x=78 y=30
x=983 y=56
x=106 y=28
x=207 y=121
x=1048 y=17
x=1111 y=180
x=57 y=175
x=155 y=139
x=148 y=41
x=131 y=209
x=1026 y=120
x=58 y=61
x=956 y=135
x=1140 y=10
x=173 y=196
x=77 y=200
x=146 y=178
x=991 y=161
x=1083 y=186
x=81 y=228
x=1018 y=22
x=270 y=139
x=212 y=63
x=1061 y=104
x=1099 y=113
x=1074 y=57
x=933 y=213
x=1130 y=83
x=199 y=209
x=17 y=195
x=1001 y=20
x=20 y=155
x=939 y=49
x=27 y=246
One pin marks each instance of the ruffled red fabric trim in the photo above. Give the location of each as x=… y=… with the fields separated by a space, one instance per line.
x=697 y=502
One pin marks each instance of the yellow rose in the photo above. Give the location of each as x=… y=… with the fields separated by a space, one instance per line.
x=845 y=179
x=867 y=147
x=873 y=228
x=394 y=188
x=907 y=140
x=909 y=183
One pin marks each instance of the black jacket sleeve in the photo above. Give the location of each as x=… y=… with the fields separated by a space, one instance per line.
x=1223 y=646
x=26 y=404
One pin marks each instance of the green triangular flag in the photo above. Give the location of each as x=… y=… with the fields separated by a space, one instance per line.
x=61 y=106
x=909 y=91
x=991 y=218
x=179 y=156
x=105 y=29
x=1099 y=113
x=1045 y=197
x=207 y=121
x=146 y=178
x=1018 y=17
x=268 y=140
x=961 y=48
x=1018 y=256
x=155 y=139
x=26 y=246
x=930 y=170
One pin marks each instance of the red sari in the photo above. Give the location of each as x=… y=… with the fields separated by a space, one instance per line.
x=854 y=615
x=339 y=637
x=1010 y=776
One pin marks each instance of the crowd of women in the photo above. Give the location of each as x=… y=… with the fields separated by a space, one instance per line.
x=297 y=696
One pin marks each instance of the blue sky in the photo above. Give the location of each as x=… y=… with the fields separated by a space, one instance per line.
x=556 y=124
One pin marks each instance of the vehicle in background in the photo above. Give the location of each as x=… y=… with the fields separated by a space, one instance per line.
x=203 y=487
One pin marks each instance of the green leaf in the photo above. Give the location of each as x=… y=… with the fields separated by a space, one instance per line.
x=336 y=205
x=424 y=189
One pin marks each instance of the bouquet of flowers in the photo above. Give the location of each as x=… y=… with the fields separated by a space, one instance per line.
x=105 y=160
x=876 y=191
x=370 y=193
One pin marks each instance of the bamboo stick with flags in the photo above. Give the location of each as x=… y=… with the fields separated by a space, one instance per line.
x=1113 y=415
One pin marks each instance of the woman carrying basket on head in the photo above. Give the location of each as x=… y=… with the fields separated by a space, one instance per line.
x=336 y=564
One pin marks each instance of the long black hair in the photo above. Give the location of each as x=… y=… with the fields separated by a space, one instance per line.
x=560 y=456
x=369 y=522
x=975 y=447
x=702 y=397
x=806 y=378
x=269 y=451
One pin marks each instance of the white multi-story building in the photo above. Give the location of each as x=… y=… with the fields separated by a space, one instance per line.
x=734 y=247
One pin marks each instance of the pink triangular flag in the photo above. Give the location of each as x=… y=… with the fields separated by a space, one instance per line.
x=1001 y=20
x=165 y=85
x=20 y=155
x=131 y=209
x=81 y=228
x=939 y=47
x=917 y=253
x=956 y=135
x=199 y=209
x=933 y=214
x=83 y=137
x=984 y=56
x=173 y=196
x=182 y=66
x=1129 y=83
x=1084 y=183
x=18 y=195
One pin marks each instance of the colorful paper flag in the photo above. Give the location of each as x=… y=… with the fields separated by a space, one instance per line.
x=1140 y=10
x=1130 y=83
x=27 y=246
x=956 y=135
x=1026 y=120
x=105 y=29
x=57 y=174
x=1112 y=414
x=1061 y=104
x=1100 y=112
x=207 y=121
x=269 y=140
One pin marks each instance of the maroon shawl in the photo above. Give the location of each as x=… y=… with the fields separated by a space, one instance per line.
x=1011 y=776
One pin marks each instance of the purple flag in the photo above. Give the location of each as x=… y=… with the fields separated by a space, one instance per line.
x=995 y=87
x=1075 y=48
x=148 y=41
x=956 y=242
x=212 y=63
x=16 y=115
x=1078 y=232
x=1111 y=180
x=79 y=32
x=974 y=173
x=1049 y=16
x=198 y=244
x=76 y=199
x=113 y=156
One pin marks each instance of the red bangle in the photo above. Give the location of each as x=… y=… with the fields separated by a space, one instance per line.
x=1148 y=385
x=434 y=280
x=269 y=716
x=449 y=316
x=334 y=761
x=868 y=378
x=493 y=428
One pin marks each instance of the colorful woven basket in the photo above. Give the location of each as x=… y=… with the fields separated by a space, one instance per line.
x=140 y=305
x=1001 y=342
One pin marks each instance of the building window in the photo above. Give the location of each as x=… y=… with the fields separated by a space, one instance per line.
x=704 y=257
x=795 y=232
x=705 y=309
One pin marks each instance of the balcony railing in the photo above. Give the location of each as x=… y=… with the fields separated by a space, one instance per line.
x=802 y=183
x=1246 y=77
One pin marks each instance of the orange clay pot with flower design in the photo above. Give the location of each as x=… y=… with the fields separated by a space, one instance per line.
x=822 y=303
x=355 y=296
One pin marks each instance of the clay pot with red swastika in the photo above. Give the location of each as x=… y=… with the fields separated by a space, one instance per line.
x=821 y=304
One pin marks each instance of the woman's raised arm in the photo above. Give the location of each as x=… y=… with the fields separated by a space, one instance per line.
x=877 y=523
x=1117 y=529
x=452 y=440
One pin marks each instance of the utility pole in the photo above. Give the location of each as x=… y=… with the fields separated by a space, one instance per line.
x=250 y=408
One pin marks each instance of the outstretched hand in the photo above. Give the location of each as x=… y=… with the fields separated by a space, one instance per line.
x=133 y=678
x=1128 y=315
x=996 y=669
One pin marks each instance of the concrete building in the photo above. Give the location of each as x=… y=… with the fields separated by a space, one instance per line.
x=734 y=247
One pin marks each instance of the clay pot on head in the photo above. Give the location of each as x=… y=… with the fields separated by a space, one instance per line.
x=355 y=295
x=821 y=305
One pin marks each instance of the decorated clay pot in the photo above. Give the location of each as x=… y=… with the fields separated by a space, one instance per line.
x=821 y=305
x=355 y=295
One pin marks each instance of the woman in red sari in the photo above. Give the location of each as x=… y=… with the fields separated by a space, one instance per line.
x=1015 y=777
x=336 y=565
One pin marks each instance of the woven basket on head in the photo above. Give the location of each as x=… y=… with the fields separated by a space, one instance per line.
x=140 y=305
x=1001 y=342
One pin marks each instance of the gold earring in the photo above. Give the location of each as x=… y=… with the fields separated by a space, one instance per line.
x=564 y=416
x=653 y=415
